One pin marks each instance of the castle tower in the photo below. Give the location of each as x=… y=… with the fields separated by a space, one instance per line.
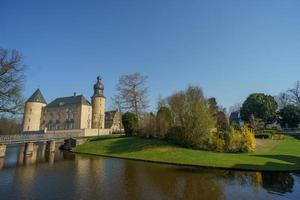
x=98 y=105
x=33 y=111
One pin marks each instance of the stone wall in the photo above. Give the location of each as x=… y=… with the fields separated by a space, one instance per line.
x=86 y=117
x=81 y=132
x=94 y=132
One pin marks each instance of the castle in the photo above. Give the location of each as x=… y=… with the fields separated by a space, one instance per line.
x=71 y=114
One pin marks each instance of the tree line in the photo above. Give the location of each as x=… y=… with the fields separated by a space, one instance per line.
x=186 y=118
x=260 y=109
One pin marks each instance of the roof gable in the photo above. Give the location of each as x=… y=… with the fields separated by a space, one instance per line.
x=110 y=114
x=71 y=100
x=37 y=97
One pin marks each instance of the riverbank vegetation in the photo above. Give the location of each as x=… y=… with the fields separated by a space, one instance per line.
x=269 y=155
x=9 y=126
x=189 y=119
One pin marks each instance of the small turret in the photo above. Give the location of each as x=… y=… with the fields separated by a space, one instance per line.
x=98 y=105
x=33 y=111
x=98 y=88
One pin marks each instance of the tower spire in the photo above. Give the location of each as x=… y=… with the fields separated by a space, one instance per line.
x=98 y=105
x=98 y=88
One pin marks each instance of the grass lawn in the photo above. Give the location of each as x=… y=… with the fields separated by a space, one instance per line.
x=270 y=155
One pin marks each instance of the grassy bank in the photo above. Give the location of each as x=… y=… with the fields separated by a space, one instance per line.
x=270 y=155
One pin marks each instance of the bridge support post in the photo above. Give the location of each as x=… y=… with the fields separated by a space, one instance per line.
x=2 y=150
x=28 y=148
x=50 y=146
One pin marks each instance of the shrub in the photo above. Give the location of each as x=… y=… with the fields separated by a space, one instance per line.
x=220 y=144
x=263 y=136
x=148 y=125
x=278 y=137
x=163 y=121
x=234 y=140
x=240 y=140
x=268 y=131
x=213 y=141
x=249 y=139
x=176 y=135
x=267 y=134
x=190 y=110
x=130 y=123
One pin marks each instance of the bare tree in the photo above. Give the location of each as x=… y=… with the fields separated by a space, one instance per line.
x=132 y=93
x=116 y=104
x=9 y=127
x=294 y=94
x=11 y=81
x=282 y=100
x=161 y=102
x=235 y=108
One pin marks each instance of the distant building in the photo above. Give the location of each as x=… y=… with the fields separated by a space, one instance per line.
x=70 y=113
x=235 y=118
x=113 y=121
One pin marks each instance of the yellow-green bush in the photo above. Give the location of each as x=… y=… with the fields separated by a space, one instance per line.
x=234 y=140
x=242 y=140
x=249 y=139
x=220 y=144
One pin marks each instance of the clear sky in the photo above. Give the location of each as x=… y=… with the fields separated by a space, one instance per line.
x=230 y=48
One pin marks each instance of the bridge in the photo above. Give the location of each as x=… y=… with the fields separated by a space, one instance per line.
x=43 y=137
x=30 y=139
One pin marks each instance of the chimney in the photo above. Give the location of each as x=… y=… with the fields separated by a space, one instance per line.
x=75 y=94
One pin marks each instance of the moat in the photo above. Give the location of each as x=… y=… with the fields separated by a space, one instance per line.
x=64 y=175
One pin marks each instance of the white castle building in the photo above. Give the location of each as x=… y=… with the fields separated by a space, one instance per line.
x=71 y=114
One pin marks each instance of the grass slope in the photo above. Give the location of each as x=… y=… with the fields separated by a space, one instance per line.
x=270 y=155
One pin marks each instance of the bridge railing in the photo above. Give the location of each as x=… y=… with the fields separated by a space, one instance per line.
x=9 y=139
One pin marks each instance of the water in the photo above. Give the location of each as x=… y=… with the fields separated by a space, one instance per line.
x=63 y=175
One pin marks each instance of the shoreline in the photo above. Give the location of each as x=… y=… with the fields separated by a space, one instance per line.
x=270 y=156
x=185 y=165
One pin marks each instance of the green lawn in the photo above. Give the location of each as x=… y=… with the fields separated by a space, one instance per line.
x=270 y=155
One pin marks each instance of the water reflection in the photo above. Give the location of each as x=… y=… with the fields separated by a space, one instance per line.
x=278 y=182
x=50 y=156
x=1 y=163
x=172 y=182
x=63 y=175
x=274 y=182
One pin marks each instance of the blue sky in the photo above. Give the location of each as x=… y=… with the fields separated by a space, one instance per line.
x=230 y=48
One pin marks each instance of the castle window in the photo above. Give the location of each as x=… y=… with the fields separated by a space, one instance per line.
x=56 y=126
x=29 y=120
x=71 y=125
x=28 y=128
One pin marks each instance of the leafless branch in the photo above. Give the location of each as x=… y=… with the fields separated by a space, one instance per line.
x=11 y=81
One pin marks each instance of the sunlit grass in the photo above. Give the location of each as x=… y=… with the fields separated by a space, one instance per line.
x=272 y=155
